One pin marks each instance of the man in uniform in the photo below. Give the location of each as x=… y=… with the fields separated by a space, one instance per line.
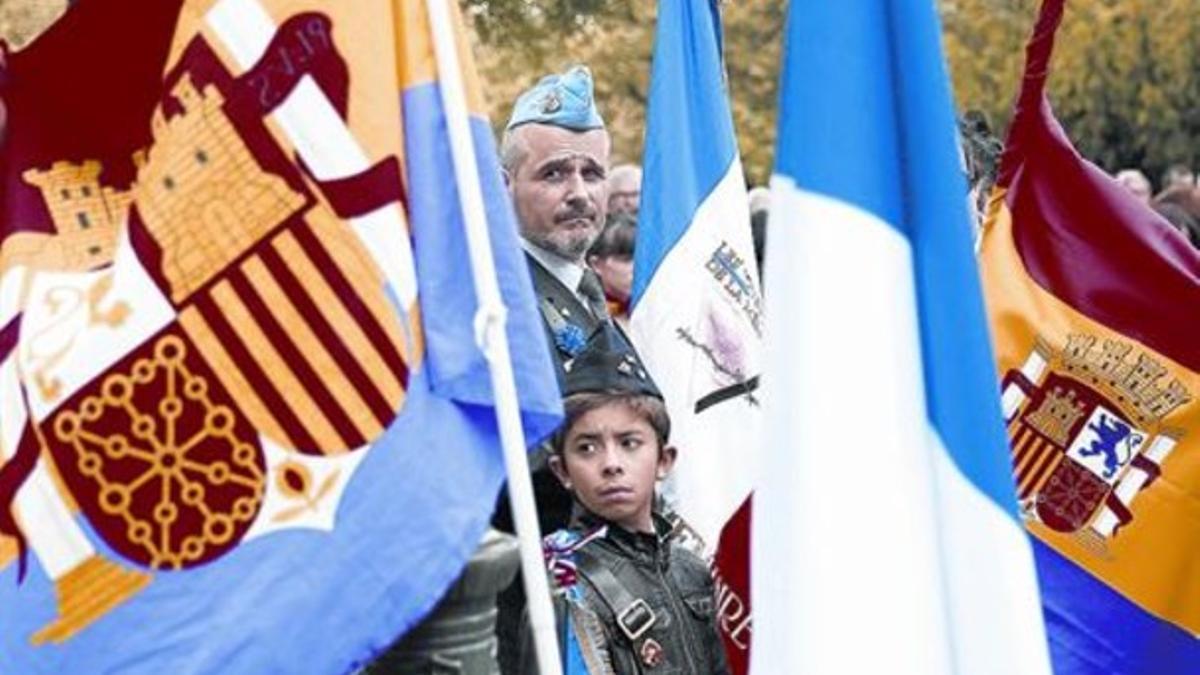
x=555 y=158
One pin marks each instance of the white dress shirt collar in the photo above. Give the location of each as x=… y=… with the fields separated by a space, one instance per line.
x=567 y=272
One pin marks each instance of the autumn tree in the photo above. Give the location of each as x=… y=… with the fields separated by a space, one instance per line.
x=1125 y=79
x=617 y=44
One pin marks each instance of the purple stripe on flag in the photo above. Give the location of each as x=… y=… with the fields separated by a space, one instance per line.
x=1085 y=239
x=1092 y=245
x=8 y=337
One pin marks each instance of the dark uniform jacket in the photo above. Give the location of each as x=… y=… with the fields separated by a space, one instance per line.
x=558 y=303
x=564 y=319
x=639 y=603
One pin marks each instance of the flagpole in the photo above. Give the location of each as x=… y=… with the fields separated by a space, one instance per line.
x=492 y=338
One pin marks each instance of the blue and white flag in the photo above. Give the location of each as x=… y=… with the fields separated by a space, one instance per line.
x=886 y=535
x=697 y=312
x=245 y=426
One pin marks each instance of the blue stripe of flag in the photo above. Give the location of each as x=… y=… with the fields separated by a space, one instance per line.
x=872 y=124
x=1094 y=630
x=689 y=130
x=457 y=366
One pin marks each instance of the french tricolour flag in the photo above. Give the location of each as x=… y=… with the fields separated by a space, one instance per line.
x=697 y=314
x=885 y=534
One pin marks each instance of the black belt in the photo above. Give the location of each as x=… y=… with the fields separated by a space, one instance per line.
x=634 y=616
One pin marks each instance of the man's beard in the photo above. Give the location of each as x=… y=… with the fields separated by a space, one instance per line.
x=570 y=244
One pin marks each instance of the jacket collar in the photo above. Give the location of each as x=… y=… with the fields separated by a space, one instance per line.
x=641 y=546
x=567 y=272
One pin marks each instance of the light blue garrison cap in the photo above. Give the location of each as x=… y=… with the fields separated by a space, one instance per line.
x=564 y=100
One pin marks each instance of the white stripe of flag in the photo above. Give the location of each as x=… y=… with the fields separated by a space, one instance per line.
x=696 y=300
x=886 y=536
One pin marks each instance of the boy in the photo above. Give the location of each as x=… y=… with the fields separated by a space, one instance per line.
x=628 y=599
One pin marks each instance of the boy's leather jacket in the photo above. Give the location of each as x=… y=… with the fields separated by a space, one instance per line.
x=632 y=602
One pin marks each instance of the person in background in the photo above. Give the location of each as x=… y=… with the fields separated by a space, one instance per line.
x=612 y=258
x=1178 y=175
x=1136 y=182
x=981 y=151
x=625 y=189
x=1180 y=205
x=759 y=198
x=758 y=231
x=760 y=212
x=1180 y=219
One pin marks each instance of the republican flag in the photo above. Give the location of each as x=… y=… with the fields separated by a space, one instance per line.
x=697 y=304
x=244 y=423
x=1092 y=300
x=886 y=536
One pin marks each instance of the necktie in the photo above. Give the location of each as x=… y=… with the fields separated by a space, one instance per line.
x=593 y=293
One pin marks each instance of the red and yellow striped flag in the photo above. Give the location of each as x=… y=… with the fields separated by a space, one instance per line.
x=1092 y=301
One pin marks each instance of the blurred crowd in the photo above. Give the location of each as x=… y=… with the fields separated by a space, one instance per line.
x=1177 y=199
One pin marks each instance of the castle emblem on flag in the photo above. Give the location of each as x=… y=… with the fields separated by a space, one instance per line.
x=245 y=351
x=214 y=361
x=1086 y=426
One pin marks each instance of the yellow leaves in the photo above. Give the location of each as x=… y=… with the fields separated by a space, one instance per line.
x=1123 y=79
x=617 y=45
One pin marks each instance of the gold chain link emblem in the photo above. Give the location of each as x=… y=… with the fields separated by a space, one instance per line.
x=175 y=468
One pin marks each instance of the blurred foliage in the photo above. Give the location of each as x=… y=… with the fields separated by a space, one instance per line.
x=1126 y=81
x=520 y=21
x=1125 y=78
x=616 y=43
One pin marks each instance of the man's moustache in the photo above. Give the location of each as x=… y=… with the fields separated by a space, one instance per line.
x=575 y=215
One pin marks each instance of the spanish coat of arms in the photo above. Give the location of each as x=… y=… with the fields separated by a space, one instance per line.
x=1086 y=425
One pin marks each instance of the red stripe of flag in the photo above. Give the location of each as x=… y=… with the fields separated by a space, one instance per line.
x=295 y=359
x=324 y=331
x=1048 y=465
x=352 y=302
x=276 y=405
x=9 y=336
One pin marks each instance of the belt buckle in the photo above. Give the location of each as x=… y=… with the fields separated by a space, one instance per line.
x=627 y=618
